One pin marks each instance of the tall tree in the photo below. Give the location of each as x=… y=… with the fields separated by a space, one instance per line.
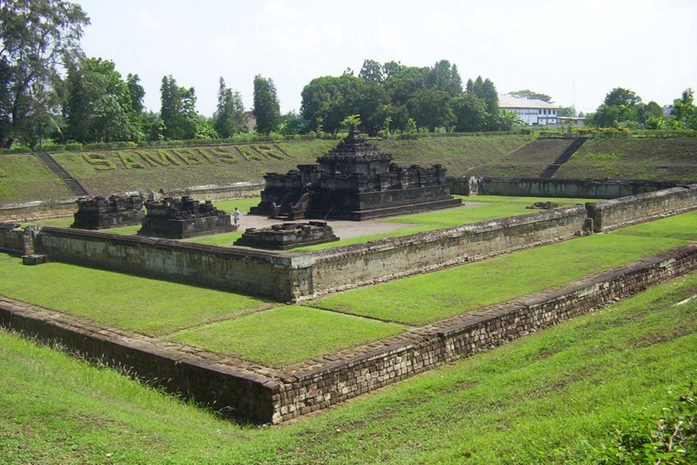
x=470 y=113
x=371 y=71
x=98 y=106
x=267 y=109
x=137 y=93
x=328 y=100
x=178 y=110
x=229 y=118
x=37 y=36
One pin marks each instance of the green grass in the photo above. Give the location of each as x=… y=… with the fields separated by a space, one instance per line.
x=27 y=178
x=475 y=209
x=291 y=334
x=431 y=297
x=141 y=305
x=548 y=398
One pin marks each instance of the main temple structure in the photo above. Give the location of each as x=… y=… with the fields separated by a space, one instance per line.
x=354 y=181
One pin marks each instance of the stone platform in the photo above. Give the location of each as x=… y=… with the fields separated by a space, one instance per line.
x=287 y=236
x=185 y=218
x=101 y=213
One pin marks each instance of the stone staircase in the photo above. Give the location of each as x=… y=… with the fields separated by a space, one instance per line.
x=563 y=158
x=73 y=184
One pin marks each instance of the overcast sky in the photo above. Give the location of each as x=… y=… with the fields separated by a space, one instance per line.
x=576 y=51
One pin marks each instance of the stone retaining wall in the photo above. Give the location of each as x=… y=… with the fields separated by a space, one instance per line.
x=358 y=265
x=265 y=274
x=562 y=188
x=343 y=376
x=11 y=238
x=30 y=211
x=267 y=395
x=215 y=192
x=294 y=276
x=611 y=214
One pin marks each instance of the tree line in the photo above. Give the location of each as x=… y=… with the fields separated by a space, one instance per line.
x=50 y=90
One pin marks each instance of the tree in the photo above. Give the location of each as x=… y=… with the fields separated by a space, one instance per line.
x=444 y=77
x=371 y=71
x=229 y=118
x=619 y=97
x=526 y=93
x=470 y=113
x=431 y=109
x=620 y=107
x=267 y=109
x=37 y=36
x=98 y=105
x=178 y=111
x=137 y=93
x=684 y=110
x=328 y=100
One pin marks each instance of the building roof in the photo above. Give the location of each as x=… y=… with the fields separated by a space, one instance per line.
x=509 y=101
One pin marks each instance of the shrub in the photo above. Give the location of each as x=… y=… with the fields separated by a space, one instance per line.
x=73 y=147
x=20 y=149
x=144 y=144
x=667 y=438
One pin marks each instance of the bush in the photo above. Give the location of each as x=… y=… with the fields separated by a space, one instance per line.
x=73 y=147
x=667 y=438
x=144 y=144
x=20 y=149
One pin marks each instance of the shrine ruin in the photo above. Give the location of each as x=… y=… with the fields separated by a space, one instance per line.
x=181 y=219
x=101 y=213
x=288 y=235
x=354 y=181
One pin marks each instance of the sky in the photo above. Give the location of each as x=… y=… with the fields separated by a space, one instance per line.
x=576 y=51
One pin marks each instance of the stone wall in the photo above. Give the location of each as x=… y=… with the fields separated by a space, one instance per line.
x=236 y=392
x=614 y=213
x=11 y=237
x=294 y=276
x=250 y=272
x=358 y=265
x=569 y=188
x=214 y=192
x=323 y=383
x=30 y=211
x=268 y=395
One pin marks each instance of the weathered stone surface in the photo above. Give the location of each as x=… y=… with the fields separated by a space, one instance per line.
x=101 y=213
x=288 y=235
x=180 y=219
x=354 y=181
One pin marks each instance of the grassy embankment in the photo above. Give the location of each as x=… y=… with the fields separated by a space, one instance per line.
x=24 y=177
x=107 y=172
x=623 y=158
x=632 y=158
x=239 y=326
x=551 y=397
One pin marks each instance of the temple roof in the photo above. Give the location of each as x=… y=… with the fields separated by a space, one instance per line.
x=355 y=147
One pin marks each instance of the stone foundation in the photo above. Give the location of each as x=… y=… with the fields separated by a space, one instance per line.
x=288 y=235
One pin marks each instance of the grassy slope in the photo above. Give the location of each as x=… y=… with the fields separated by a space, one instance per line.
x=131 y=170
x=632 y=158
x=528 y=161
x=548 y=398
x=27 y=179
x=24 y=177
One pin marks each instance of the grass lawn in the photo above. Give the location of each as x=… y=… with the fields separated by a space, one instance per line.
x=141 y=305
x=431 y=297
x=290 y=334
x=551 y=397
x=158 y=308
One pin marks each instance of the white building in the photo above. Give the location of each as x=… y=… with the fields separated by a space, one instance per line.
x=531 y=111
